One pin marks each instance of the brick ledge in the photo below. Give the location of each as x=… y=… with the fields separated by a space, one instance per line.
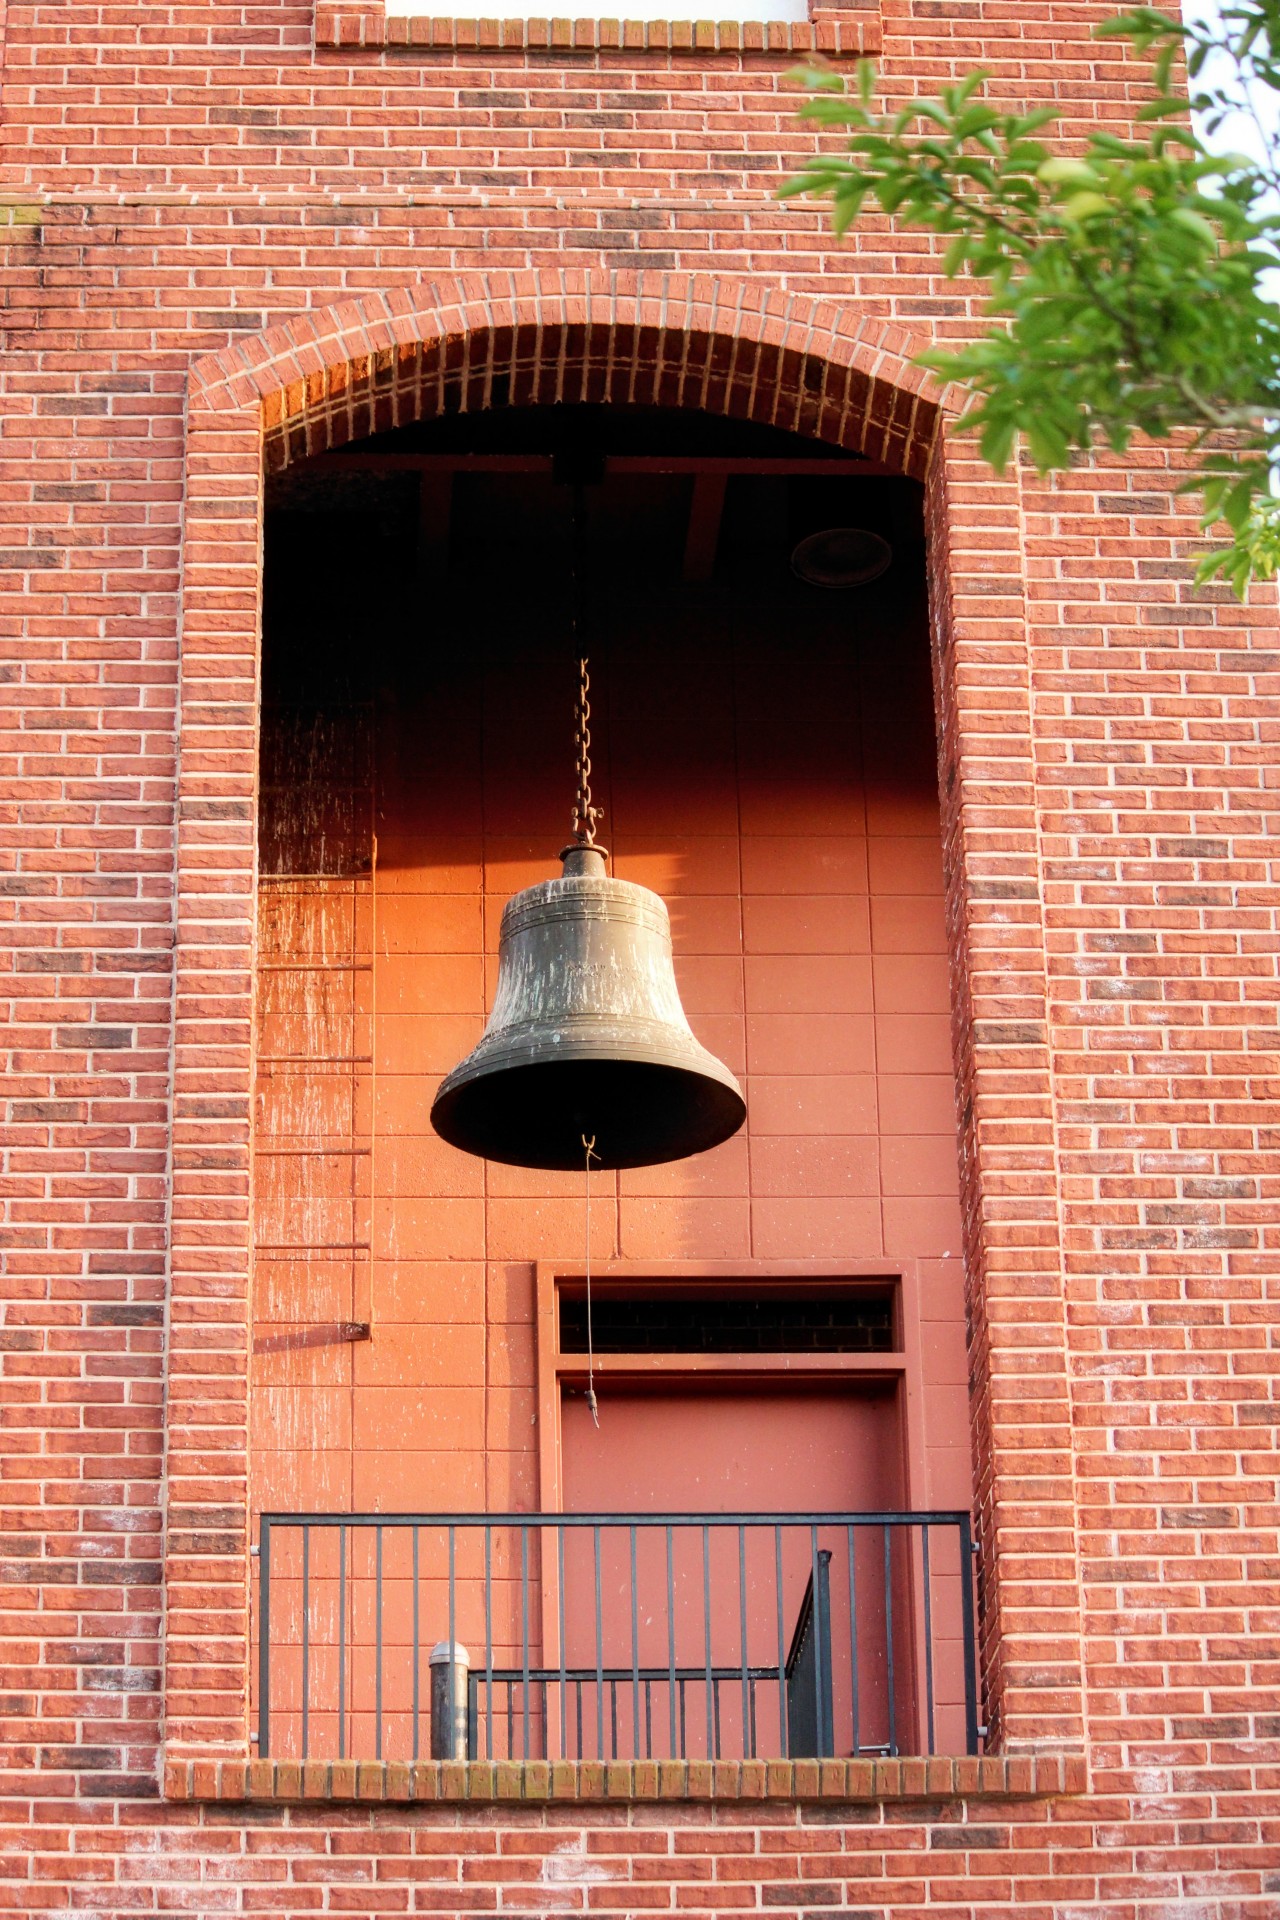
x=355 y=29
x=1013 y=1776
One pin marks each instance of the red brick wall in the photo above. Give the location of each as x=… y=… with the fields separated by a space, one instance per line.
x=202 y=175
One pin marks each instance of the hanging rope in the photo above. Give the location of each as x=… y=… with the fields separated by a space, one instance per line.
x=592 y=1404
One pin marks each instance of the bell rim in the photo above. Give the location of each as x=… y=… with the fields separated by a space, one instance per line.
x=729 y=1112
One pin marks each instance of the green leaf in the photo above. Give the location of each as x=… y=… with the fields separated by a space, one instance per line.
x=1194 y=223
x=996 y=441
x=1048 y=444
x=1082 y=206
x=1068 y=173
x=816 y=79
x=847 y=209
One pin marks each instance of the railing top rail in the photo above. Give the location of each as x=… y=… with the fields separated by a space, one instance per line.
x=864 y=1519
x=570 y=1676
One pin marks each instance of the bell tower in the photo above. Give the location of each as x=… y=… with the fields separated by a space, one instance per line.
x=852 y=1489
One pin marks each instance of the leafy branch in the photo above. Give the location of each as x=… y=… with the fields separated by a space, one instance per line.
x=1125 y=285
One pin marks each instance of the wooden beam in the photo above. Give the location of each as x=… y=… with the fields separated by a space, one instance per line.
x=785 y=468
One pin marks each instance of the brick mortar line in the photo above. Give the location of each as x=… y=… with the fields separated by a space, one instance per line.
x=420 y=201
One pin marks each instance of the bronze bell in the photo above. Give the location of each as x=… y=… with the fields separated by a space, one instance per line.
x=587 y=1038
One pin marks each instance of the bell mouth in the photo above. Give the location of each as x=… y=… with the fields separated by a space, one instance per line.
x=641 y=1113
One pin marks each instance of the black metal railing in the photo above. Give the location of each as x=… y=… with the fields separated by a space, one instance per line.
x=615 y=1636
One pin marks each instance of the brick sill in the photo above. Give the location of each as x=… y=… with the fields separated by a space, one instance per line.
x=356 y=29
x=1000 y=1777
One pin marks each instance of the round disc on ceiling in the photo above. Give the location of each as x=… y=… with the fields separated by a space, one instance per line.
x=841 y=557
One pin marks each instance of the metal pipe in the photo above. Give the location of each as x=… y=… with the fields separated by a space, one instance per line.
x=450 y=1689
x=264 y=1638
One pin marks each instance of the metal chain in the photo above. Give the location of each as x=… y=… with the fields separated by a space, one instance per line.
x=584 y=814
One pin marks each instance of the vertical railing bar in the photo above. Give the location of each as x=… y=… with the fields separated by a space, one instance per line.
x=377 y=1661
x=613 y=1717
x=684 y=1723
x=742 y=1622
x=453 y=1621
x=715 y=1693
x=524 y=1637
x=635 y=1645
x=264 y=1639
x=706 y=1625
x=417 y=1651
x=564 y=1704
x=488 y=1642
x=671 y=1644
x=928 y=1633
x=783 y=1715
x=968 y=1637
x=753 y=1716
x=342 y=1643
x=511 y=1716
x=853 y=1639
x=819 y=1717
x=648 y=1718
x=888 y=1627
x=453 y=1634
x=595 y=1534
x=306 y=1640
x=577 y=1690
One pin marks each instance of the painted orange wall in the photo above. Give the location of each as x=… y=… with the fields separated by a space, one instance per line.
x=765 y=755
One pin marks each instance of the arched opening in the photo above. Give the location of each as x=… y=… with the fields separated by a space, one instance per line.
x=787 y=1321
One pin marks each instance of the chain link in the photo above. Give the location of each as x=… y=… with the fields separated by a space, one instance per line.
x=585 y=814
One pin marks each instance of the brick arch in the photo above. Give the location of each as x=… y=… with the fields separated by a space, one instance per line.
x=338 y=374
x=725 y=347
